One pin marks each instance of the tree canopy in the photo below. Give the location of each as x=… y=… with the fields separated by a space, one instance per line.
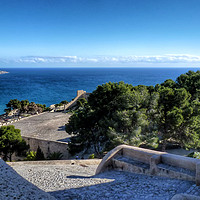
x=25 y=106
x=10 y=142
x=151 y=116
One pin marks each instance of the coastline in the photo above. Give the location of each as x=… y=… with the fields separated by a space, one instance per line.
x=3 y=72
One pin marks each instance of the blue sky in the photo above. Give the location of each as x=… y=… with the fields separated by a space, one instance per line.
x=76 y=33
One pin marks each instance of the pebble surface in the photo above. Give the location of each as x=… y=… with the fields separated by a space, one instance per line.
x=80 y=182
x=13 y=186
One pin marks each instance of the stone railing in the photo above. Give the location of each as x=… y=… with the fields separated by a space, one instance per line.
x=140 y=160
x=80 y=94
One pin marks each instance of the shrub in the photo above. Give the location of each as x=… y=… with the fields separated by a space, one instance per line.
x=31 y=155
x=92 y=156
x=55 y=156
x=39 y=154
x=194 y=155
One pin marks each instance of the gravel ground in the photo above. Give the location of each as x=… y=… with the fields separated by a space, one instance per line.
x=13 y=186
x=49 y=126
x=80 y=182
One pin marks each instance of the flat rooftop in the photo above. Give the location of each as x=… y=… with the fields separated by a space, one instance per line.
x=48 y=125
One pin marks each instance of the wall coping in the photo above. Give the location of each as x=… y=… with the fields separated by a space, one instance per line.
x=57 y=162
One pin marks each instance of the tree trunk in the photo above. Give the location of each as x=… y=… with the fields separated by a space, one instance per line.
x=10 y=157
x=164 y=145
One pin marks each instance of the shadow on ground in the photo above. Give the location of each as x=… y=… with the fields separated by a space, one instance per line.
x=61 y=128
x=65 y=139
x=122 y=185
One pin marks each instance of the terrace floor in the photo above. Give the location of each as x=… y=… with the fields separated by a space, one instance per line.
x=48 y=125
x=78 y=181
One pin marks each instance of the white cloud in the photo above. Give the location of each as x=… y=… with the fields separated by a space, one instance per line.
x=132 y=59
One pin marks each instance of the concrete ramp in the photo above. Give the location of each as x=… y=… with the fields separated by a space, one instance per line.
x=13 y=186
x=80 y=94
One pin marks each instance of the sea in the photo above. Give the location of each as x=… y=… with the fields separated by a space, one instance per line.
x=52 y=85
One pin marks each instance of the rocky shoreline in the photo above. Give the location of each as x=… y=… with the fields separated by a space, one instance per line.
x=3 y=72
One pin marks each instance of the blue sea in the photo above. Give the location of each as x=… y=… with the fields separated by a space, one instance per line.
x=52 y=85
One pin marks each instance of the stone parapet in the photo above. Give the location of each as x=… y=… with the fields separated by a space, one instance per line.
x=140 y=160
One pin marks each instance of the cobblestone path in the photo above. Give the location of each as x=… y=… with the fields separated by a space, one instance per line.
x=79 y=182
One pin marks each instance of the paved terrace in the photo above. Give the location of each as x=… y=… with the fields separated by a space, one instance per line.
x=49 y=126
x=71 y=180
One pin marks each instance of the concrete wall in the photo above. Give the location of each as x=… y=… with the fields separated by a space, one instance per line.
x=152 y=159
x=80 y=94
x=48 y=146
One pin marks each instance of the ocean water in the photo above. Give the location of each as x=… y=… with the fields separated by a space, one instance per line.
x=49 y=86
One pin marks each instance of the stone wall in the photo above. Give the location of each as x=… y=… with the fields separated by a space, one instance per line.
x=80 y=94
x=48 y=146
x=149 y=162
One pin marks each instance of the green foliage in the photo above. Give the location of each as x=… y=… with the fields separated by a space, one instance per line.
x=80 y=103
x=13 y=104
x=91 y=156
x=30 y=156
x=61 y=103
x=169 y=83
x=55 y=156
x=42 y=106
x=10 y=142
x=114 y=114
x=39 y=154
x=118 y=113
x=25 y=106
x=191 y=82
x=194 y=155
x=64 y=102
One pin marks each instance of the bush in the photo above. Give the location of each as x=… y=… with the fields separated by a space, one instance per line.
x=39 y=154
x=31 y=155
x=194 y=155
x=55 y=156
x=92 y=156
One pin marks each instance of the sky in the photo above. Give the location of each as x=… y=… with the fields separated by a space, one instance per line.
x=99 y=33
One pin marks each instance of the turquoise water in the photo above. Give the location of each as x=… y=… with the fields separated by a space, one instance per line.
x=49 y=86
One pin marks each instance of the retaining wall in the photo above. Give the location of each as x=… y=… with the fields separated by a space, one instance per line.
x=47 y=146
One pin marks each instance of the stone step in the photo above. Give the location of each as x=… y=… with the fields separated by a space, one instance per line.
x=123 y=163
x=175 y=172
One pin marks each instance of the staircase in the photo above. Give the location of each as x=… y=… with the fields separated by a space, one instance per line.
x=149 y=162
x=130 y=165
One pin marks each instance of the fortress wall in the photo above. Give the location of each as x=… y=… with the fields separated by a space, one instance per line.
x=47 y=146
x=80 y=94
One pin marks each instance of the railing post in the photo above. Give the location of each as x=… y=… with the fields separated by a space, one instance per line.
x=154 y=160
x=198 y=173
